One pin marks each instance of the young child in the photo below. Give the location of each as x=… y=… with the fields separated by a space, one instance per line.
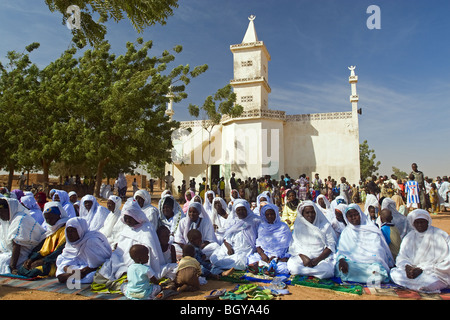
x=195 y=239
x=189 y=270
x=412 y=193
x=390 y=232
x=167 y=248
x=142 y=283
x=434 y=199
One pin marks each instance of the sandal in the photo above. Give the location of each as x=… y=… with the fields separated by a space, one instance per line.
x=245 y=288
x=263 y=295
x=215 y=294
x=164 y=294
x=233 y=296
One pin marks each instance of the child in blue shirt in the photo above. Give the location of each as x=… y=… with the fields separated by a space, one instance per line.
x=390 y=232
x=142 y=283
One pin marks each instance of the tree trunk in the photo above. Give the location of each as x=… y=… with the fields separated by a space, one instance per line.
x=99 y=176
x=10 y=176
x=45 y=169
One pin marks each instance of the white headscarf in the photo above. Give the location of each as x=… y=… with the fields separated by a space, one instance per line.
x=62 y=220
x=96 y=216
x=91 y=249
x=65 y=202
x=364 y=243
x=112 y=217
x=429 y=250
x=264 y=194
x=208 y=205
x=398 y=219
x=216 y=219
x=178 y=214
x=22 y=229
x=274 y=238
x=35 y=211
x=248 y=225
x=311 y=239
x=206 y=225
x=150 y=211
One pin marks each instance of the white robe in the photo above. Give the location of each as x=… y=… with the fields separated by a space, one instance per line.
x=21 y=229
x=311 y=240
x=96 y=216
x=429 y=251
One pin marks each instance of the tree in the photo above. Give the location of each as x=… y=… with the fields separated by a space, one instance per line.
x=399 y=173
x=213 y=113
x=121 y=104
x=16 y=78
x=367 y=163
x=141 y=13
x=48 y=132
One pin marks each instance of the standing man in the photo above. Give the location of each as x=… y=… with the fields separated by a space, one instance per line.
x=419 y=178
x=169 y=180
x=233 y=184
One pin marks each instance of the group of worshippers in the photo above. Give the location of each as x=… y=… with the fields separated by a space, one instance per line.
x=93 y=244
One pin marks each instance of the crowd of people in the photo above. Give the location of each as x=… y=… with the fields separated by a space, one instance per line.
x=316 y=228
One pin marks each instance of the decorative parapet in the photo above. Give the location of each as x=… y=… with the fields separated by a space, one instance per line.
x=195 y=123
x=258 y=114
x=246 y=45
x=273 y=115
x=320 y=116
x=251 y=80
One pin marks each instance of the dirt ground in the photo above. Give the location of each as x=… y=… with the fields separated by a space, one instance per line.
x=442 y=221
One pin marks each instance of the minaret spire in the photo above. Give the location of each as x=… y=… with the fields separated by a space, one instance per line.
x=354 y=98
x=250 y=35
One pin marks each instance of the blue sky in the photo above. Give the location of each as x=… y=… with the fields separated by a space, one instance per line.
x=403 y=68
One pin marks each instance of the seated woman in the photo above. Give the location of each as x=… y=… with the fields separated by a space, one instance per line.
x=207 y=204
x=139 y=230
x=362 y=252
x=290 y=208
x=84 y=252
x=73 y=197
x=262 y=197
x=220 y=215
x=144 y=199
x=188 y=195
x=398 y=219
x=42 y=260
x=323 y=204
x=423 y=263
x=63 y=197
x=272 y=244
x=35 y=211
x=20 y=233
x=170 y=215
x=238 y=241
x=198 y=219
x=234 y=195
x=314 y=243
x=113 y=204
x=94 y=214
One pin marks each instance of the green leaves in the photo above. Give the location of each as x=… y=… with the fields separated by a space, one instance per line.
x=100 y=110
x=367 y=157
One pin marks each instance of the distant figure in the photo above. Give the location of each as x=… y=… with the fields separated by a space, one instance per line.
x=169 y=181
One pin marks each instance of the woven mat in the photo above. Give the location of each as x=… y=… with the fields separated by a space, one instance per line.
x=53 y=285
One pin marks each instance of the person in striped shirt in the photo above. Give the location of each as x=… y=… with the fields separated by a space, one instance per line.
x=412 y=193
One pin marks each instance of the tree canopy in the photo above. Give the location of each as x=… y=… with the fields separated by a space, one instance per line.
x=141 y=14
x=367 y=159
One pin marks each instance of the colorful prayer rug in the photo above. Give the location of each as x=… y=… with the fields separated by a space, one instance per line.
x=53 y=285
x=329 y=284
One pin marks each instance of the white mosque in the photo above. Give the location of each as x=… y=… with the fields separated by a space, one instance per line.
x=263 y=141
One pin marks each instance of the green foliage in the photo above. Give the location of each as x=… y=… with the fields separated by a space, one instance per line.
x=399 y=173
x=99 y=112
x=367 y=157
x=141 y=14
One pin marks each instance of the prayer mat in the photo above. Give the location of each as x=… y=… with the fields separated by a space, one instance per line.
x=236 y=277
x=266 y=278
x=392 y=289
x=51 y=284
x=329 y=284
